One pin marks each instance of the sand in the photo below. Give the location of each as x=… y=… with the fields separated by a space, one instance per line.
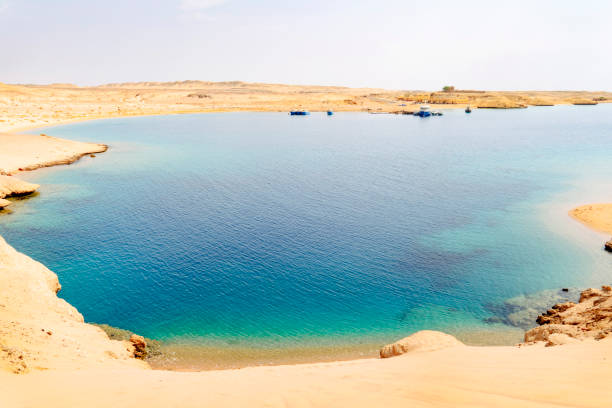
x=595 y=216
x=576 y=375
x=31 y=106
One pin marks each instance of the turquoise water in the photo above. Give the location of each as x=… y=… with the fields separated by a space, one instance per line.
x=258 y=231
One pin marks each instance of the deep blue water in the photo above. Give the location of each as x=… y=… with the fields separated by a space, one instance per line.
x=260 y=229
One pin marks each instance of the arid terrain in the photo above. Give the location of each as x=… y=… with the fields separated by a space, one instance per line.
x=30 y=106
x=46 y=346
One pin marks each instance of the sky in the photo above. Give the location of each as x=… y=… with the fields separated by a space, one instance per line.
x=394 y=44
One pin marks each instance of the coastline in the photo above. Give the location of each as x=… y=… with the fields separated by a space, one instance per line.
x=36 y=106
x=467 y=372
x=25 y=152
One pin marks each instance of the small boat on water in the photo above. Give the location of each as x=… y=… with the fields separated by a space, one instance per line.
x=299 y=113
x=436 y=113
x=329 y=113
x=423 y=112
x=468 y=109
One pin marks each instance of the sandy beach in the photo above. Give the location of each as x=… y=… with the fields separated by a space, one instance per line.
x=45 y=344
x=568 y=376
x=595 y=216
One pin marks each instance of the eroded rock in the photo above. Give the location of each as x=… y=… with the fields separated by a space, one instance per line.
x=11 y=186
x=424 y=340
x=140 y=346
x=566 y=322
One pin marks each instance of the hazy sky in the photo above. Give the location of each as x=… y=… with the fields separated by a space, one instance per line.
x=386 y=43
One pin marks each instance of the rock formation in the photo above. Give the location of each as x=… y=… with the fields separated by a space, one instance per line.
x=424 y=340
x=590 y=318
x=140 y=346
x=521 y=311
x=11 y=187
x=38 y=330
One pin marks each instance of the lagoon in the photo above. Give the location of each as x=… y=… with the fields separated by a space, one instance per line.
x=247 y=238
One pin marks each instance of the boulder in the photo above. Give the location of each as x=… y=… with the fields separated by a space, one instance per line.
x=608 y=246
x=424 y=340
x=140 y=346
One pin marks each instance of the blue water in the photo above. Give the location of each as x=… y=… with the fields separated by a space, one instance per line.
x=254 y=230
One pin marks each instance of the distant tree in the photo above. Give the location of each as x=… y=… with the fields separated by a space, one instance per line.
x=448 y=88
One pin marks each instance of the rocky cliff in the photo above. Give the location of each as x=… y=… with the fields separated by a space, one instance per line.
x=39 y=331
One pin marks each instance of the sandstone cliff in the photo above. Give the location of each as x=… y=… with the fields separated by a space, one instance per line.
x=39 y=331
x=11 y=186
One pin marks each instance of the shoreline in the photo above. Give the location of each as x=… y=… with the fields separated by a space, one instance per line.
x=28 y=128
x=105 y=371
x=37 y=106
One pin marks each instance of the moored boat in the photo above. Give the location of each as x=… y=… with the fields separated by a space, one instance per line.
x=423 y=112
x=299 y=113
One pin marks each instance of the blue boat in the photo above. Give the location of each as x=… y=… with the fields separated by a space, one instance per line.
x=329 y=113
x=424 y=112
x=299 y=113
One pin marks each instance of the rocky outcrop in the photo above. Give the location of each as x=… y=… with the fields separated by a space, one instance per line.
x=12 y=187
x=424 y=340
x=21 y=152
x=590 y=318
x=140 y=346
x=39 y=331
x=521 y=311
x=608 y=246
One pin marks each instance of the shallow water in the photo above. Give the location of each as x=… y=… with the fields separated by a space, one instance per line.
x=247 y=238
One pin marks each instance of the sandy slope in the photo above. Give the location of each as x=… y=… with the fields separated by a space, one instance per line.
x=567 y=376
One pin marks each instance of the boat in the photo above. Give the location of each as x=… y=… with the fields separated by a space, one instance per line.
x=436 y=113
x=329 y=113
x=423 y=112
x=299 y=113
x=468 y=109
